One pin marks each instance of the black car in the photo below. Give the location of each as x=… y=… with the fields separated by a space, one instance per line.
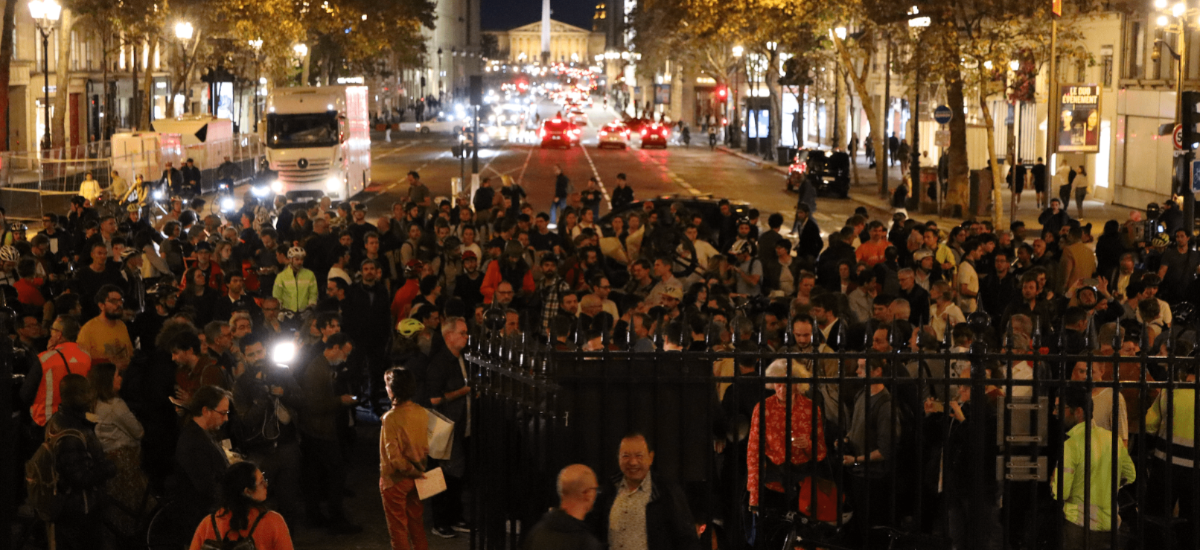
x=828 y=172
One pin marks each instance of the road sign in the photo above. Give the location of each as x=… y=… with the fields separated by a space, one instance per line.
x=1177 y=137
x=941 y=138
x=1195 y=176
x=942 y=114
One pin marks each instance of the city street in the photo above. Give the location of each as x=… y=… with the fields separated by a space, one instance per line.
x=673 y=171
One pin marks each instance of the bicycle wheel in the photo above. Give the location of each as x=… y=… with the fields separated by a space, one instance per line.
x=168 y=528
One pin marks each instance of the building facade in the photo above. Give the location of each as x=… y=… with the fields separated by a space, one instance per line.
x=568 y=44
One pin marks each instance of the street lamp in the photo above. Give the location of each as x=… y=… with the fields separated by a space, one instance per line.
x=1177 y=23
x=256 y=45
x=184 y=31
x=45 y=14
x=734 y=137
x=301 y=51
x=917 y=24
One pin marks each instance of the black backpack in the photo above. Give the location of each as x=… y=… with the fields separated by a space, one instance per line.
x=223 y=543
x=45 y=496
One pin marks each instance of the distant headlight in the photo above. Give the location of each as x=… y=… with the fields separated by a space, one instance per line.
x=159 y=195
x=334 y=183
x=260 y=190
x=227 y=204
x=277 y=187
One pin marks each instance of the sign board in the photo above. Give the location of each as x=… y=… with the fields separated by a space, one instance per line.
x=1079 y=118
x=1056 y=7
x=662 y=94
x=941 y=138
x=1195 y=176
x=1177 y=137
x=942 y=114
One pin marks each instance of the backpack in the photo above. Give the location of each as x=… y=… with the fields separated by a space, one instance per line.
x=42 y=480
x=223 y=543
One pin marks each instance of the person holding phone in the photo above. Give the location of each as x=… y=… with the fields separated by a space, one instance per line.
x=318 y=424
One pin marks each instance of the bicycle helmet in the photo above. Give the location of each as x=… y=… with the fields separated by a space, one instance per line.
x=410 y=327
x=744 y=246
x=296 y=252
x=129 y=253
x=413 y=269
x=9 y=254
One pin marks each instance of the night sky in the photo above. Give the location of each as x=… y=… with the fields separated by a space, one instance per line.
x=507 y=14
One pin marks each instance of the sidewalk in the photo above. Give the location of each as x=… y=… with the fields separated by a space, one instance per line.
x=867 y=194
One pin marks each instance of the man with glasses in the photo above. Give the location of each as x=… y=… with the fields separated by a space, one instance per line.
x=270 y=318
x=451 y=395
x=106 y=338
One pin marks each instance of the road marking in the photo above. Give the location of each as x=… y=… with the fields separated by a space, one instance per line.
x=599 y=181
x=521 y=178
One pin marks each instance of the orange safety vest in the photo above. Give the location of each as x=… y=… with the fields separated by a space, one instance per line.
x=66 y=358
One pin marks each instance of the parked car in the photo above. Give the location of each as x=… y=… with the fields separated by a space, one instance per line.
x=828 y=172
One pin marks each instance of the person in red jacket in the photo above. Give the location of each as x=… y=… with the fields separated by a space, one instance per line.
x=511 y=268
x=62 y=357
x=402 y=302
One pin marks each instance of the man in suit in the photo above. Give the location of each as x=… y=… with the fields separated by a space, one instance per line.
x=809 y=233
x=446 y=384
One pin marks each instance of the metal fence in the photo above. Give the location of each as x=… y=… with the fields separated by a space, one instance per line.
x=988 y=485
x=32 y=183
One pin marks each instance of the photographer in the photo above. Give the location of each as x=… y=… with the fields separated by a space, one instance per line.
x=267 y=398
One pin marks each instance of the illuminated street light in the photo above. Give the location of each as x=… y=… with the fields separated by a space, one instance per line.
x=840 y=32
x=184 y=30
x=738 y=50
x=45 y=14
x=1014 y=65
x=301 y=50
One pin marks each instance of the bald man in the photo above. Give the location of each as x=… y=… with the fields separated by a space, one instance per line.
x=563 y=528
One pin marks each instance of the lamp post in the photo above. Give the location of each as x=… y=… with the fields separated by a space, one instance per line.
x=735 y=137
x=916 y=25
x=772 y=46
x=1174 y=19
x=184 y=32
x=257 y=46
x=301 y=51
x=45 y=14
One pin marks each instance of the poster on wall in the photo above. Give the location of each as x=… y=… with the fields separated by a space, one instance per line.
x=662 y=94
x=1079 y=118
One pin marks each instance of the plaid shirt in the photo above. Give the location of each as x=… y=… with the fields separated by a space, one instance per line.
x=551 y=292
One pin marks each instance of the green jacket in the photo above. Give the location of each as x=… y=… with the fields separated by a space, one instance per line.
x=1101 y=497
x=296 y=291
x=1183 y=426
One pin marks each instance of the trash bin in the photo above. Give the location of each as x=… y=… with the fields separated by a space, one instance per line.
x=785 y=155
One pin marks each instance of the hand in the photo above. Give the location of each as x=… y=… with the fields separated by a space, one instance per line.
x=848 y=460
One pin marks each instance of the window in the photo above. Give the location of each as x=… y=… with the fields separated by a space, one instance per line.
x=1107 y=71
x=1081 y=70
x=1135 y=50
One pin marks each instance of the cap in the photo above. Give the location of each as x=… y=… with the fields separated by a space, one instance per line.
x=921 y=255
x=133 y=207
x=743 y=246
x=674 y=292
x=415 y=264
x=469 y=255
x=129 y=252
x=203 y=246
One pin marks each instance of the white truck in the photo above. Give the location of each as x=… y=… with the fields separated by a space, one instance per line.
x=317 y=141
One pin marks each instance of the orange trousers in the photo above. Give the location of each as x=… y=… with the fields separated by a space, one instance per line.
x=402 y=508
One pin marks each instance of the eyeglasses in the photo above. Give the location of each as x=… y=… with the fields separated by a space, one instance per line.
x=224 y=413
x=115 y=301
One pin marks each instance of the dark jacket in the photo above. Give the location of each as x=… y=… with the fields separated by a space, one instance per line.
x=322 y=404
x=827 y=264
x=200 y=465
x=83 y=468
x=810 y=243
x=622 y=196
x=669 y=523
x=562 y=186
x=369 y=314
x=559 y=531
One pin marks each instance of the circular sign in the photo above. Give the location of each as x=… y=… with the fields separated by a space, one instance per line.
x=942 y=114
x=1178 y=137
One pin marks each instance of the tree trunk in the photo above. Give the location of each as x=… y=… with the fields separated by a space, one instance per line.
x=6 y=55
x=864 y=97
x=62 y=78
x=956 y=191
x=135 y=102
x=776 y=101
x=304 y=69
x=148 y=87
x=997 y=208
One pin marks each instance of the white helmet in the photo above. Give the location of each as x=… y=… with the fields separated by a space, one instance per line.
x=296 y=252
x=9 y=254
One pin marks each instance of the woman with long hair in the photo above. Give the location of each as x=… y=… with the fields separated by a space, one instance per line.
x=121 y=435
x=243 y=513
x=198 y=295
x=403 y=447
x=225 y=258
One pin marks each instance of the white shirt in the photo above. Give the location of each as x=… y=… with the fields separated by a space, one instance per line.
x=967 y=276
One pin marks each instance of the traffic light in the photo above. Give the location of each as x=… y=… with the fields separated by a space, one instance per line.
x=722 y=92
x=1190 y=120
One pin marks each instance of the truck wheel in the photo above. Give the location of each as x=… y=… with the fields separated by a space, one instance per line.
x=424 y=129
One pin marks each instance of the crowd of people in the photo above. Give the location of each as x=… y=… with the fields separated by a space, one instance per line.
x=204 y=355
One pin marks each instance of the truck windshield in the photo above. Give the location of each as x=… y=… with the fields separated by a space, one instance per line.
x=302 y=130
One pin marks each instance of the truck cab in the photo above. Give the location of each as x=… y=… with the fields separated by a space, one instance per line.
x=317 y=141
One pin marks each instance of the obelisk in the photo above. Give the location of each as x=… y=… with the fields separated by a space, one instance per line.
x=545 y=32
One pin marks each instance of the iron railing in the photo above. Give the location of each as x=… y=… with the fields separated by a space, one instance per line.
x=539 y=410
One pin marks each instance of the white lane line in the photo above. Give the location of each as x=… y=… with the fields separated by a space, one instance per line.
x=599 y=180
x=521 y=178
x=395 y=183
